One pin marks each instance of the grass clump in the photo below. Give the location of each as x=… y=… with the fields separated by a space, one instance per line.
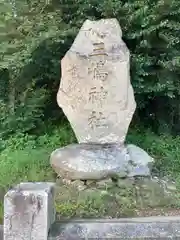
x=115 y=202
x=164 y=148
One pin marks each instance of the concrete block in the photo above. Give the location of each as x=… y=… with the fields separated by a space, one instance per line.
x=29 y=211
x=127 y=228
x=1 y=232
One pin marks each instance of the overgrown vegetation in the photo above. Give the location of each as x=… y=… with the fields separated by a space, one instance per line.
x=27 y=159
x=34 y=35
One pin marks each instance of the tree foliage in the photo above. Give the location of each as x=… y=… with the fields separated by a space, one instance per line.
x=35 y=35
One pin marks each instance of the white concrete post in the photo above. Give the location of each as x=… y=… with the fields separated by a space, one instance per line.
x=29 y=211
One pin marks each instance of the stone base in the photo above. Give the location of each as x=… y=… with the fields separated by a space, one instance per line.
x=163 y=184
x=90 y=161
x=129 y=228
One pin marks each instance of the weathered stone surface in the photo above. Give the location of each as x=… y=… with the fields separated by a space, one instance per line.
x=129 y=228
x=95 y=91
x=105 y=183
x=89 y=161
x=97 y=161
x=168 y=185
x=29 y=211
x=79 y=185
x=141 y=159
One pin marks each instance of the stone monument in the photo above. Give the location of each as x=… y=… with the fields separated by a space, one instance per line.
x=97 y=97
x=95 y=91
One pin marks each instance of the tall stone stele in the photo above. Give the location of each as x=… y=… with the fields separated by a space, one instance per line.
x=97 y=97
x=95 y=91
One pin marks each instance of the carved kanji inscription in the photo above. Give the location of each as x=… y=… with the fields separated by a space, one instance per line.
x=97 y=95
x=99 y=101
x=96 y=119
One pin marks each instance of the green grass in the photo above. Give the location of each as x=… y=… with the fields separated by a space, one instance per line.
x=26 y=158
x=22 y=166
x=164 y=148
x=125 y=199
